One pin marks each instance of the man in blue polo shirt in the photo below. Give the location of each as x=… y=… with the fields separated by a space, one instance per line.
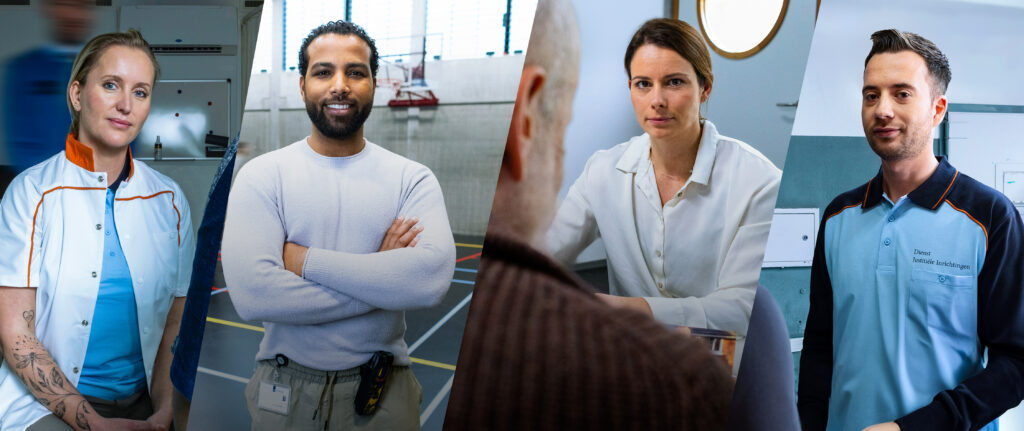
x=917 y=275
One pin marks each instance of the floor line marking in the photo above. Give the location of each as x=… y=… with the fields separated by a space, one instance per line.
x=472 y=256
x=235 y=324
x=223 y=375
x=416 y=360
x=219 y=291
x=457 y=281
x=462 y=244
x=436 y=401
x=465 y=270
x=439 y=323
x=434 y=364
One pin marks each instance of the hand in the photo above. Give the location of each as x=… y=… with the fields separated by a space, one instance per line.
x=294 y=257
x=161 y=420
x=685 y=330
x=99 y=423
x=888 y=426
x=402 y=233
x=633 y=303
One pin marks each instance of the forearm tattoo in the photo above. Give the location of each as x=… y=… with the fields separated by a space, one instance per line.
x=33 y=364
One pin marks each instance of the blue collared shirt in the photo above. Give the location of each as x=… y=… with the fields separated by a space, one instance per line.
x=907 y=297
x=113 y=367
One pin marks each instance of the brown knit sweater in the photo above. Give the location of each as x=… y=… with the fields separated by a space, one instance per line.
x=540 y=351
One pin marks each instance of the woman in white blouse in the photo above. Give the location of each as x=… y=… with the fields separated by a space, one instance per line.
x=683 y=212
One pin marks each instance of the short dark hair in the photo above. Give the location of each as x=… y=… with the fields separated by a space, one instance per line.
x=342 y=28
x=892 y=41
x=675 y=35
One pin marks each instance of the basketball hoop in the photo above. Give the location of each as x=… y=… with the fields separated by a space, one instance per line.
x=394 y=84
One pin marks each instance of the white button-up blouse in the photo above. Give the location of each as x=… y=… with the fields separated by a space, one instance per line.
x=697 y=259
x=51 y=238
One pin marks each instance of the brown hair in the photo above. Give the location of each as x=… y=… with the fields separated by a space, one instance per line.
x=892 y=41
x=92 y=52
x=678 y=36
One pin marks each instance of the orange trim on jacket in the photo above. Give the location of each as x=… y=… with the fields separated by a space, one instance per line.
x=972 y=219
x=32 y=236
x=176 y=211
x=81 y=155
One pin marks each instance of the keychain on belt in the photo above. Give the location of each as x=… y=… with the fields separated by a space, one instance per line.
x=373 y=375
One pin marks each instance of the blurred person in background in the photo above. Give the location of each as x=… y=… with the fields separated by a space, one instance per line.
x=36 y=114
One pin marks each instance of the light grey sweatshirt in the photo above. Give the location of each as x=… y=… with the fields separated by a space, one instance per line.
x=351 y=299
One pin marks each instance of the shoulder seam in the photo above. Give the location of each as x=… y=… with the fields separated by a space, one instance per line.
x=943 y=197
x=983 y=229
x=32 y=233
x=173 y=205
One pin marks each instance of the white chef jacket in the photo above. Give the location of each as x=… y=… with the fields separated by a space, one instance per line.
x=697 y=259
x=51 y=237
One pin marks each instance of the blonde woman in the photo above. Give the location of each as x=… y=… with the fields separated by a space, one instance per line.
x=96 y=260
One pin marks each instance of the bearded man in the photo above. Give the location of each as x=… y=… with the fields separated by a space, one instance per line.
x=328 y=241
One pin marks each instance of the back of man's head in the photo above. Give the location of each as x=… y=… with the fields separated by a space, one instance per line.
x=531 y=171
x=555 y=46
x=893 y=41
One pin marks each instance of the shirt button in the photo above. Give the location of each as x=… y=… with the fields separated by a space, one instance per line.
x=892 y=219
x=111 y=254
x=85 y=323
x=94 y=274
x=660 y=286
x=657 y=253
x=75 y=370
x=99 y=226
x=942 y=278
x=99 y=178
x=887 y=241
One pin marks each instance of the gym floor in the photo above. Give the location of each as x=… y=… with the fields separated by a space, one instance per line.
x=433 y=335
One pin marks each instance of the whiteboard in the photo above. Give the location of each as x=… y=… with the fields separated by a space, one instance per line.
x=182 y=113
x=989 y=147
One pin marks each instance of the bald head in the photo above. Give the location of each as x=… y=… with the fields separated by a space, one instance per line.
x=531 y=171
x=555 y=47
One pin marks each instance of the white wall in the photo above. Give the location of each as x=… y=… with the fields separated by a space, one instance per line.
x=981 y=39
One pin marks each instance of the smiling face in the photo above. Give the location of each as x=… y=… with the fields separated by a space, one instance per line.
x=666 y=93
x=114 y=100
x=338 y=88
x=899 y=109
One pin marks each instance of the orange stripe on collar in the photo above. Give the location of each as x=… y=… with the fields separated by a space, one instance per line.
x=131 y=164
x=78 y=153
x=81 y=155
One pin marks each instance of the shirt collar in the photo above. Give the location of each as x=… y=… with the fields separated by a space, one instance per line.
x=124 y=174
x=81 y=155
x=639 y=152
x=928 y=195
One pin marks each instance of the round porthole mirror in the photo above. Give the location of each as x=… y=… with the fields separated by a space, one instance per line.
x=740 y=28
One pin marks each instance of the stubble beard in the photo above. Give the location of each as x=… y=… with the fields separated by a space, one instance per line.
x=909 y=144
x=332 y=129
